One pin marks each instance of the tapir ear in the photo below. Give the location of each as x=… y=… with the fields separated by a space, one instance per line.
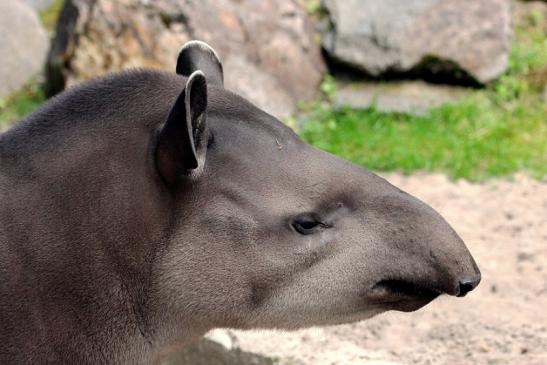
x=182 y=141
x=197 y=55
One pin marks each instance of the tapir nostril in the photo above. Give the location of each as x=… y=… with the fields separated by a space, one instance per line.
x=467 y=285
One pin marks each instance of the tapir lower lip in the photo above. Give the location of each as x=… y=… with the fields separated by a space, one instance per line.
x=406 y=288
x=403 y=295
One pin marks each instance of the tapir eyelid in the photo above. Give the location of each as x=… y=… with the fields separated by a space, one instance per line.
x=308 y=224
x=324 y=225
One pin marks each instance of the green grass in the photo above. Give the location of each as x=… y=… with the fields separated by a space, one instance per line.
x=474 y=139
x=493 y=132
x=50 y=15
x=20 y=104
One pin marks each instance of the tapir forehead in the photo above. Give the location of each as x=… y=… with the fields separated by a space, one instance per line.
x=228 y=112
x=256 y=154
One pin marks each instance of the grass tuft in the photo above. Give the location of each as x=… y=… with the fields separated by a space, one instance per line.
x=50 y=15
x=474 y=139
x=20 y=104
x=493 y=132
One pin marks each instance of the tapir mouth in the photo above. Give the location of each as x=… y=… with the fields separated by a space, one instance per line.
x=403 y=295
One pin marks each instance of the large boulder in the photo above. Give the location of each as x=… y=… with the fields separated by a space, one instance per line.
x=465 y=40
x=267 y=47
x=410 y=97
x=23 y=45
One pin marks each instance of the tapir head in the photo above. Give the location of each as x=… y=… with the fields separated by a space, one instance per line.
x=271 y=232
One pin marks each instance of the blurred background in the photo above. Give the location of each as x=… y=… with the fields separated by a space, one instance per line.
x=445 y=98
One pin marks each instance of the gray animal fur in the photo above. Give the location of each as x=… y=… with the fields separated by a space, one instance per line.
x=138 y=211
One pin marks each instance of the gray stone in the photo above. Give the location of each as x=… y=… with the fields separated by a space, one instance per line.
x=40 y=4
x=412 y=97
x=23 y=45
x=208 y=352
x=222 y=347
x=267 y=47
x=466 y=39
x=219 y=347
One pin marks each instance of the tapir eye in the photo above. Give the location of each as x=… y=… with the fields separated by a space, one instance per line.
x=307 y=224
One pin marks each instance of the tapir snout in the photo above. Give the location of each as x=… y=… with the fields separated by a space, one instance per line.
x=429 y=255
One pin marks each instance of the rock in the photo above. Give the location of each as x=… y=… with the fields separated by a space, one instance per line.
x=40 y=4
x=23 y=45
x=267 y=47
x=219 y=347
x=414 y=97
x=465 y=41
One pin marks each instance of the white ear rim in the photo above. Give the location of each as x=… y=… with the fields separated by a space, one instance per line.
x=197 y=55
x=204 y=46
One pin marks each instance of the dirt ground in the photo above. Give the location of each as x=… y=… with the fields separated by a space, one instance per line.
x=504 y=321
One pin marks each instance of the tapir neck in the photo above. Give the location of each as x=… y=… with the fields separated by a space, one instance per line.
x=83 y=273
x=82 y=277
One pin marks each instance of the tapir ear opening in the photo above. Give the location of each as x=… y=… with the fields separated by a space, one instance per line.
x=195 y=103
x=198 y=55
x=182 y=141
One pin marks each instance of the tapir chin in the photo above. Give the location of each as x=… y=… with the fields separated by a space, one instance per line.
x=142 y=209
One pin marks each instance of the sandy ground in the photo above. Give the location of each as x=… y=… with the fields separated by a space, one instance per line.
x=504 y=321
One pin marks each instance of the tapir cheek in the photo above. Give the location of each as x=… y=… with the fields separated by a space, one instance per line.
x=325 y=240
x=329 y=237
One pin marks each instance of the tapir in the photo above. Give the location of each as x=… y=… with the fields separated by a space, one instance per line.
x=140 y=210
